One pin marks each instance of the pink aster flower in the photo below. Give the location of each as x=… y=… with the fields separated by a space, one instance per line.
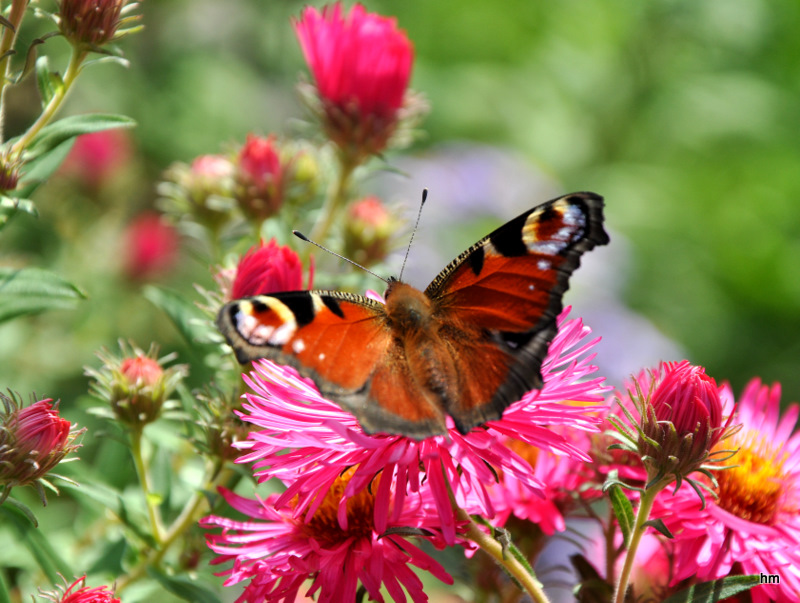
x=753 y=527
x=561 y=476
x=267 y=268
x=337 y=546
x=83 y=594
x=307 y=441
x=361 y=63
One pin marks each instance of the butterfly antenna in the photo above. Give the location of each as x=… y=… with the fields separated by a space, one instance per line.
x=413 y=232
x=303 y=237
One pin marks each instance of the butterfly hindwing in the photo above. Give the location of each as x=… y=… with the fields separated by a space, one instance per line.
x=498 y=301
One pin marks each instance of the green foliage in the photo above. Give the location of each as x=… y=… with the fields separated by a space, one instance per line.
x=623 y=511
x=32 y=290
x=708 y=592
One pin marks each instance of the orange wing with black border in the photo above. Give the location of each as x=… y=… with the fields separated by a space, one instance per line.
x=341 y=341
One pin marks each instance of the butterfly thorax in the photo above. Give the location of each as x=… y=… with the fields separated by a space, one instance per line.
x=407 y=308
x=410 y=314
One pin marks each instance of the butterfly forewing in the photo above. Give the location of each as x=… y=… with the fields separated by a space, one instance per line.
x=340 y=341
x=333 y=337
x=505 y=293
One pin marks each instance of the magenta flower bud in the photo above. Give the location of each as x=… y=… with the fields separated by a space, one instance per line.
x=689 y=399
x=90 y=22
x=361 y=63
x=267 y=268
x=33 y=440
x=260 y=177
x=368 y=230
x=151 y=247
x=681 y=421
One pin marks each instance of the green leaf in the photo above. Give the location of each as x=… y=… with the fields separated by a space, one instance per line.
x=708 y=592
x=49 y=82
x=21 y=511
x=38 y=171
x=190 y=320
x=658 y=524
x=113 y=500
x=9 y=208
x=623 y=511
x=56 y=133
x=110 y=558
x=33 y=290
x=40 y=548
x=4 y=596
x=185 y=588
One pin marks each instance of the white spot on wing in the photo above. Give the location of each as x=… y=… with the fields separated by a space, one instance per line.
x=543 y=265
x=283 y=333
x=298 y=346
x=321 y=356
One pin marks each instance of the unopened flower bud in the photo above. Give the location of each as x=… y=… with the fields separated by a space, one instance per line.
x=681 y=422
x=202 y=191
x=267 y=268
x=90 y=22
x=361 y=63
x=33 y=440
x=136 y=385
x=260 y=176
x=151 y=247
x=9 y=173
x=368 y=231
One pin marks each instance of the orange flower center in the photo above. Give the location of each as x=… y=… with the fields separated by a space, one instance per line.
x=754 y=490
x=324 y=525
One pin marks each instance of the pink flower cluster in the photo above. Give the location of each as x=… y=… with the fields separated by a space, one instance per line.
x=309 y=443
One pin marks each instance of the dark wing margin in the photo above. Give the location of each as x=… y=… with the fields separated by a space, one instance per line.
x=504 y=294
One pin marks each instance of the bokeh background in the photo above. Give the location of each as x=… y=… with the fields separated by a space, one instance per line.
x=684 y=115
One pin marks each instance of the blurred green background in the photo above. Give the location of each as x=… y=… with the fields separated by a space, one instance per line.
x=684 y=115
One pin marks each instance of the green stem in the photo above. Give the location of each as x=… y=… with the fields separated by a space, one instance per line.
x=6 y=44
x=494 y=549
x=144 y=479
x=642 y=515
x=73 y=70
x=333 y=203
x=182 y=523
x=611 y=551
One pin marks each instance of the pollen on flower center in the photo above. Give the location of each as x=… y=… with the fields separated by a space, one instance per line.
x=753 y=490
x=324 y=526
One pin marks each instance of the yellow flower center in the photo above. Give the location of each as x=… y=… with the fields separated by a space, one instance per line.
x=754 y=489
x=324 y=525
x=525 y=450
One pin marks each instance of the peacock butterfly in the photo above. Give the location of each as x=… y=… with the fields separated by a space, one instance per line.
x=468 y=346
